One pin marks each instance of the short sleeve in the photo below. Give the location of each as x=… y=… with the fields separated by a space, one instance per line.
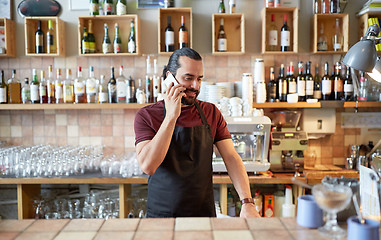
x=143 y=127
x=222 y=131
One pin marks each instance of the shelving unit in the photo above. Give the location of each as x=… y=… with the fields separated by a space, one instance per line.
x=329 y=23
x=363 y=22
x=8 y=29
x=234 y=26
x=175 y=14
x=292 y=22
x=124 y=22
x=31 y=24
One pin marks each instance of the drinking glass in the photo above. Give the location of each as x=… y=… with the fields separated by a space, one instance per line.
x=332 y=198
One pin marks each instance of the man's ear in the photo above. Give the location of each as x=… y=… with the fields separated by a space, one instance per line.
x=167 y=73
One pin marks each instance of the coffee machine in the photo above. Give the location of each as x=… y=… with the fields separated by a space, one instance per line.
x=251 y=137
x=288 y=144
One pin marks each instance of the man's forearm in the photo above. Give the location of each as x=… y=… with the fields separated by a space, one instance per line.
x=238 y=175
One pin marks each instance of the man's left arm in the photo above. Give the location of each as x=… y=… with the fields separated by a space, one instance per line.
x=238 y=175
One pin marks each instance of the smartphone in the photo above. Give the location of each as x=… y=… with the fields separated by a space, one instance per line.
x=170 y=79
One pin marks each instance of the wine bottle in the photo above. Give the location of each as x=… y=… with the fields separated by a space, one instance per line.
x=291 y=81
x=221 y=40
x=121 y=87
x=3 y=89
x=221 y=7
x=285 y=36
x=183 y=34
x=121 y=7
x=301 y=83
x=79 y=87
x=117 y=40
x=91 y=38
x=58 y=87
x=111 y=87
x=282 y=85
x=309 y=82
x=85 y=42
x=322 y=44
x=169 y=37
x=14 y=89
x=50 y=85
x=325 y=6
x=337 y=38
x=156 y=82
x=94 y=7
x=363 y=89
x=317 y=83
x=108 y=7
x=326 y=87
x=273 y=35
x=51 y=46
x=34 y=88
x=68 y=88
x=25 y=92
x=348 y=86
x=131 y=38
x=102 y=91
x=106 y=45
x=130 y=90
x=232 y=6
x=39 y=39
x=338 y=84
x=43 y=89
x=91 y=87
x=272 y=87
x=334 y=6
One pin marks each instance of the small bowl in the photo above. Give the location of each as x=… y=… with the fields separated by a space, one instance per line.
x=292 y=98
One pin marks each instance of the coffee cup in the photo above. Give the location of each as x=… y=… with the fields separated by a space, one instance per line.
x=368 y=230
x=309 y=214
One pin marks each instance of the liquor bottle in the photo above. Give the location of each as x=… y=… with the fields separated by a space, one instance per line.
x=3 y=89
x=131 y=38
x=79 y=87
x=322 y=44
x=301 y=83
x=43 y=88
x=121 y=87
x=58 y=87
x=285 y=36
x=14 y=89
x=169 y=37
x=183 y=34
x=130 y=90
x=117 y=40
x=156 y=88
x=222 y=45
x=334 y=6
x=282 y=85
x=91 y=38
x=272 y=87
x=221 y=7
x=51 y=46
x=338 y=83
x=317 y=6
x=91 y=87
x=273 y=35
x=309 y=82
x=140 y=94
x=50 y=85
x=326 y=87
x=102 y=91
x=121 y=7
x=68 y=88
x=25 y=92
x=232 y=6
x=149 y=93
x=39 y=39
x=291 y=81
x=324 y=6
x=317 y=83
x=94 y=7
x=363 y=89
x=34 y=88
x=111 y=87
x=348 y=86
x=85 y=42
x=108 y=7
x=337 y=39
x=106 y=45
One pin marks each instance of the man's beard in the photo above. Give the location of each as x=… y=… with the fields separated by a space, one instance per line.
x=189 y=100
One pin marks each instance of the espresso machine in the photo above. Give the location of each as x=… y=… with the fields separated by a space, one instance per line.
x=288 y=144
x=251 y=137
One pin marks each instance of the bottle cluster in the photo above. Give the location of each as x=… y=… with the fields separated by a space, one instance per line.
x=183 y=41
x=326 y=6
x=107 y=7
x=284 y=43
x=45 y=43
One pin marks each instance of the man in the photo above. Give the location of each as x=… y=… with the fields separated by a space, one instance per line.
x=174 y=144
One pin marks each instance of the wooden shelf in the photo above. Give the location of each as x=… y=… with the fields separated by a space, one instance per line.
x=124 y=22
x=31 y=24
x=363 y=22
x=88 y=106
x=9 y=28
x=175 y=14
x=234 y=26
x=292 y=22
x=287 y=105
x=363 y=104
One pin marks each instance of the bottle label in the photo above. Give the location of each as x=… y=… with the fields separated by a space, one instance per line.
x=120 y=90
x=121 y=9
x=169 y=38
x=3 y=95
x=337 y=46
x=183 y=37
x=222 y=44
x=106 y=47
x=94 y=8
x=91 y=47
x=68 y=93
x=131 y=46
x=317 y=94
x=50 y=87
x=50 y=39
x=79 y=88
x=292 y=87
x=301 y=88
x=309 y=88
x=107 y=7
x=326 y=87
x=338 y=86
x=85 y=47
x=25 y=95
x=273 y=38
x=91 y=87
x=348 y=88
x=58 y=90
x=117 y=47
x=285 y=38
x=103 y=96
x=156 y=86
x=42 y=91
x=34 y=95
x=39 y=40
x=140 y=96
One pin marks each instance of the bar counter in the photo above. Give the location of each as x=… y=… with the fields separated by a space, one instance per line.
x=163 y=229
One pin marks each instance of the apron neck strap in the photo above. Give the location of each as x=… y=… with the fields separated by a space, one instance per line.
x=202 y=115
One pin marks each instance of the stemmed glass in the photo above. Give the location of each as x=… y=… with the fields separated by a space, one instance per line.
x=332 y=198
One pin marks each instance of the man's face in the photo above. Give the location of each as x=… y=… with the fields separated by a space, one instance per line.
x=190 y=74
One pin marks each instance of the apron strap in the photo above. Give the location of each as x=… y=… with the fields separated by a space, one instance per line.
x=202 y=115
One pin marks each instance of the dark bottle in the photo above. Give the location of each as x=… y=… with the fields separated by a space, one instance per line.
x=149 y=92
x=285 y=36
x=85 y=42
x=222 y=44
x=334 y=6
x=106 y=45
x=221 y=7
x=39 y=39
x=130 y=90
x=309 y=82
x=108 y=6
x=111 y=87
x=282 y=85
x=291 y=81
x=301 y=83
x=94 y=7
x=338 y=83
x=326 y=87
x=91 y=38
x=317 y=83
x=272 y=88
x=3 y=89
x=348 y=86
x=183 y=34
x=169 y=37
x=131 y=39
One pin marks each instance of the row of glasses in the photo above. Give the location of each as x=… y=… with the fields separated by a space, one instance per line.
x=124 y=165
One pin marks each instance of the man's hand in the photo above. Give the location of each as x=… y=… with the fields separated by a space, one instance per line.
x=248 y=211
x=172 y=100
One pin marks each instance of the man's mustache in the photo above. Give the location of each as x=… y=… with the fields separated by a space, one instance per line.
x=191 y=90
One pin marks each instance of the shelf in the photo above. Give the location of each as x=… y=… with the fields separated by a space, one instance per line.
x=31 y=24
x=175 y=14
x=234 y=26
x=363 y=22
x=330 y=52
x=363 y=104
x=292 y=22
x=287 y=105
x=124 y=22
x=9 y=28
x=63 y=106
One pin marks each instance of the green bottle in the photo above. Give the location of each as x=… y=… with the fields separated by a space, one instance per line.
x=131 y=39
x=94 y=7
x=91 y=38
x=106 y=45
x=85 y=42
x=221 y=7
x=117 y=40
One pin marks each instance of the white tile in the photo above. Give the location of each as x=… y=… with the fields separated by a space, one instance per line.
x=16 y=131
x=49 y=111
x=95 y=141
x=71 y=62
x=129 y=142
x=75 y=236
x=232 y=234
x=61 y=119
x=72 y=131
x=84 y=140
x=60 y=63
x=5 y=120
x=5 y=131
x=189 y=224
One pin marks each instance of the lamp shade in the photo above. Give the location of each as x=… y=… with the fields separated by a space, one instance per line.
x=376 y=73
x=362 y=56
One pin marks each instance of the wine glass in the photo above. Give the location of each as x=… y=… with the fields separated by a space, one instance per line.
x=332 y=198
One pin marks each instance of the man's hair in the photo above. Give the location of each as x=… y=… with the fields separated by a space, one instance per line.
x=173 y=62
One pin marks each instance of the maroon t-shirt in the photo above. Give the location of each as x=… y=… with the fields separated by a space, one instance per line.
x=148 y=120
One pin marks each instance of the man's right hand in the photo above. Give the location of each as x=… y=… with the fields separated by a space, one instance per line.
x=172 y=100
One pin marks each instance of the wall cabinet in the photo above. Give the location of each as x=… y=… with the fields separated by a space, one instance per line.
x=8 y=35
